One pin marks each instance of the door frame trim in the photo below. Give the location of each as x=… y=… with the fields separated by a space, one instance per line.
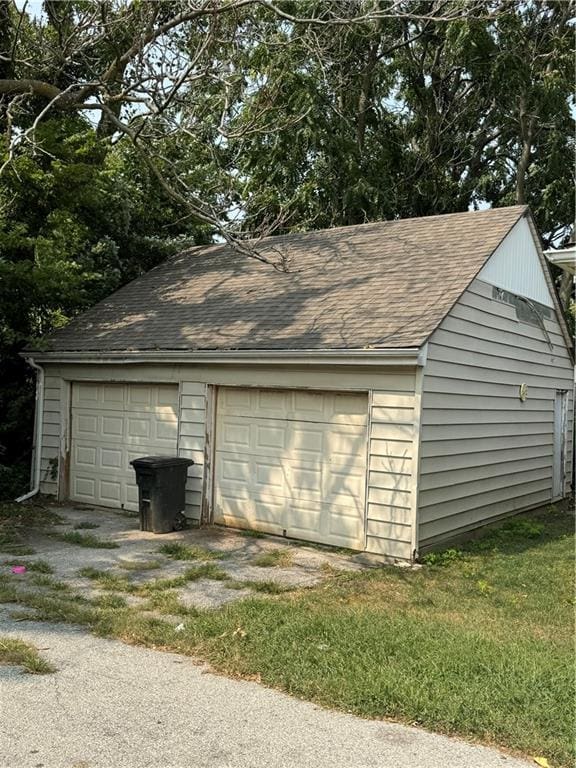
x=563 y=443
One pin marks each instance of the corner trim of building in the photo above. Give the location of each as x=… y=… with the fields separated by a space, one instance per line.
x=415 y=480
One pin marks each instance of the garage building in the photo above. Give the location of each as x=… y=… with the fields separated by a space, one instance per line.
x=382 y=387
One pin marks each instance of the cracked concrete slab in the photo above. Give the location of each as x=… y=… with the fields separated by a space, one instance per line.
x=239 y=552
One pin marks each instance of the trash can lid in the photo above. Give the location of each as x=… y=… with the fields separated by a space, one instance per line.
x=153 y=462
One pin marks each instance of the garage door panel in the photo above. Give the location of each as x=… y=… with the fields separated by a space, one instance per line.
x=270 y=434
x=292 y=460
x=84 y=487
x=345 y=405
x=110 y=491
x=234 y=468
x=112 y=397
x=259 y=514
x=344 y=484
x=234 y=400
x=326 y=523
x=166 y=398
x=287 y=405
x=131 y=497
x=111 y=458
x=139 y=397
x=307 y=439
x=84 y=456
x=311 y=404
x=111 y=427
x=271 y=402
x=113 y=424
x=235 y=435
x=269 y=476
x=306 y=480
x=86 y=395
x=305 y=521
x=168 y=430
x=85 y=425
x=138 y=428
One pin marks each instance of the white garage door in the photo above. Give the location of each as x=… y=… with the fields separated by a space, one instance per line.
x=292 y=463
x=111 y=425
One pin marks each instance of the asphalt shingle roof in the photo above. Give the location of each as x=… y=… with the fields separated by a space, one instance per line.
x=385 y=284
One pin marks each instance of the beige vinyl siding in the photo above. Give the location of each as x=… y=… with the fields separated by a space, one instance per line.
x=391 y=468
x=484 y=453
x=51 y=431
x=191 y=438
x=392 y=437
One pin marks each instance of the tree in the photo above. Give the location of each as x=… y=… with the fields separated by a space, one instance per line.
x=412 y=116
x=156 y=69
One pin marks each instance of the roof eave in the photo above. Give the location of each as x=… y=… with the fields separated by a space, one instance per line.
x=406 y=356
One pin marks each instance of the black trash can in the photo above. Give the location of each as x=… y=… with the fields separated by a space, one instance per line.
x=161 y=484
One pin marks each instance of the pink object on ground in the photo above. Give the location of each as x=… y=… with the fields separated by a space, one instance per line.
x=18 y=569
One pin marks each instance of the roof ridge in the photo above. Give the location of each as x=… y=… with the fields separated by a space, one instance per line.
x=345 y=227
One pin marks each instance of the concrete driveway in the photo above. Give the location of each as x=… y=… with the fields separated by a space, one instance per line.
x=110 y=705
x=237 y=554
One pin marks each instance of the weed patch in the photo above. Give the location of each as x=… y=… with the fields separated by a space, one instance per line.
x=446 y=557
x=49 y=582
x=18 y=521
x=276 y=558
x=177 y=551
x=108 y=581
x=252 y=534
x=17 y=652
x=87 y=540
x=28 y=516
x=109 y=601
x=168 y=602
x=206 y=571
x=86 y=526
x=11 y=546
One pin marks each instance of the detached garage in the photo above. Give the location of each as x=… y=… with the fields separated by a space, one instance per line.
x=382 y=387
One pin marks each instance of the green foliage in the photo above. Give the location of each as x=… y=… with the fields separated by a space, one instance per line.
x=87 y=540
x=524 y=528
x=446 y=557
x=16 y=652
x=178 y=551
x=77 y=220
x=17 y=521
x=276 y=558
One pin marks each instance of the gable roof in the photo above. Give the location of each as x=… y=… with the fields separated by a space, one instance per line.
x=371 y=286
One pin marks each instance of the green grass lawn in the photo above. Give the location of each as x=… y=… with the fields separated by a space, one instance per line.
x=478 y=643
